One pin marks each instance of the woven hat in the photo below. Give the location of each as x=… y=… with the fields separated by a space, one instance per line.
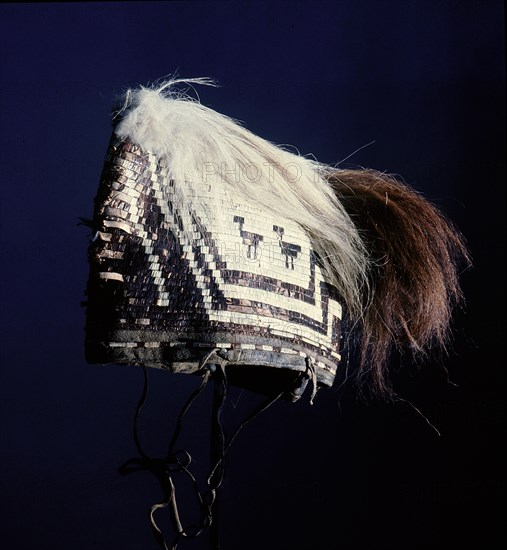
x=217 y=253
x=202 y=250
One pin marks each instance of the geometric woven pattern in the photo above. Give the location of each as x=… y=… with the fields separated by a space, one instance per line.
x=169 y=281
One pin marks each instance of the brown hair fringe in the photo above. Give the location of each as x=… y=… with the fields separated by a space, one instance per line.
x=415 y=253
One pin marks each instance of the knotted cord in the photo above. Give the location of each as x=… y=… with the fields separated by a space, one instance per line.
x=179 y=460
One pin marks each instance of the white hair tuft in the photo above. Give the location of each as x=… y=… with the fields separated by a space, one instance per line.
x=196 y=144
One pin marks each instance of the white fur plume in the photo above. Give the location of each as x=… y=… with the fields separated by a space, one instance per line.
x=196 y=143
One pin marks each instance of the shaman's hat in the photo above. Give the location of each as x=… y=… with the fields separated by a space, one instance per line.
x=214 y=250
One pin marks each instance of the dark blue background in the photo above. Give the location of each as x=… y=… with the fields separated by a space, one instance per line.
x=424 y=81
